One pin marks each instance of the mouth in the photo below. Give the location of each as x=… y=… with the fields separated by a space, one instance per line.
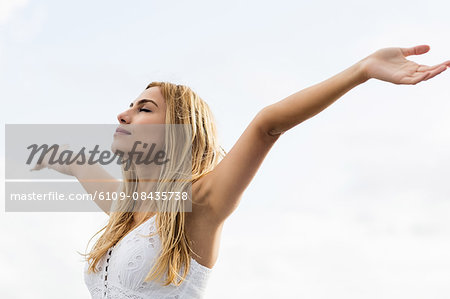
x=122 y=131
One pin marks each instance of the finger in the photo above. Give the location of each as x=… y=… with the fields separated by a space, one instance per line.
x=418 y=77
x=425 y=68
x=435 y=72
x=417 y=50
x=37 y=167
x=415 y=79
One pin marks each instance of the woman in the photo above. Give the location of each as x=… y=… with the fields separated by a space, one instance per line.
x=169 y=253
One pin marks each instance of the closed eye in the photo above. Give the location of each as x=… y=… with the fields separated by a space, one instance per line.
x=145 y=110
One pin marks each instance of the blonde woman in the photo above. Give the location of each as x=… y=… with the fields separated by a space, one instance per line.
x=161 y=254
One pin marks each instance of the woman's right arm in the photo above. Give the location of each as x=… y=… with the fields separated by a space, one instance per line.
x=95 y=179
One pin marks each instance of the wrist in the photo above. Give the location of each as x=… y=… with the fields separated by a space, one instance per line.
x=362 y=67
x=74 y=168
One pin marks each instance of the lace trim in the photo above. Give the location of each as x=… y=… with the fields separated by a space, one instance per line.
x=105 y=284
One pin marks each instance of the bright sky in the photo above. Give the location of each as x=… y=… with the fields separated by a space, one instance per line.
x=352 y=203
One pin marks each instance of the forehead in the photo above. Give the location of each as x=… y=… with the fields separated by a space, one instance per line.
x=152 y=93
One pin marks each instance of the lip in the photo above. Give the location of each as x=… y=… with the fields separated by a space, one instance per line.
x=122 y=131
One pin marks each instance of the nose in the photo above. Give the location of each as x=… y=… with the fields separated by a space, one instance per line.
x=123 y=118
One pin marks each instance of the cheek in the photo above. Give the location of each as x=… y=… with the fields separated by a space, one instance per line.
x=148 y=134
x=163 y=118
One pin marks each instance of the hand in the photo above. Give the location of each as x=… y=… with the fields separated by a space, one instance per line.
x=65 y=169
x=389 y=64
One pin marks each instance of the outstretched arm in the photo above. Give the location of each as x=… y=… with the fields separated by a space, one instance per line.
x=388 y=64
x=94 y=178
x=223 y=187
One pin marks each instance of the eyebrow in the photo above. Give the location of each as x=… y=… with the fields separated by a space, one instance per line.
x=143 y=101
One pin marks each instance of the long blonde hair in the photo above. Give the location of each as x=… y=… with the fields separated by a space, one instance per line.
x=187 y=108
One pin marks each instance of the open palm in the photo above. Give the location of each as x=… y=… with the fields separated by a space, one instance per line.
x=390 y=64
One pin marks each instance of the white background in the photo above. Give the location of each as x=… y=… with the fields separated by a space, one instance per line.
x=352 y=203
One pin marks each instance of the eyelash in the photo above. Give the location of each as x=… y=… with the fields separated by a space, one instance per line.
x=146 y=110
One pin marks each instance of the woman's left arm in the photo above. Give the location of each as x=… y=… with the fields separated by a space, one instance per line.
x=222 y=188
x=388 y=64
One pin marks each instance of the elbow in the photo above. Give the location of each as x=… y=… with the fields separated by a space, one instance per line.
x=267 y=124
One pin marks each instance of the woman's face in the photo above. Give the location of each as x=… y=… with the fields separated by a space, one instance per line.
x=142 y=123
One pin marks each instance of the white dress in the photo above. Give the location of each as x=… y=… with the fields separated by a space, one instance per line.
x=121 y=272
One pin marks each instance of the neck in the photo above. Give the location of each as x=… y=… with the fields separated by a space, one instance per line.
x=148 y=176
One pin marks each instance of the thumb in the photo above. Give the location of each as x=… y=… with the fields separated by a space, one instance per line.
x=37 y=167
x=417 y=50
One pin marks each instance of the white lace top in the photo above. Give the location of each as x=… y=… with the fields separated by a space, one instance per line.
x=121 y=272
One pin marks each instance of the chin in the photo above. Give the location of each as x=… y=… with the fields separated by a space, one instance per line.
x=118 y=146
